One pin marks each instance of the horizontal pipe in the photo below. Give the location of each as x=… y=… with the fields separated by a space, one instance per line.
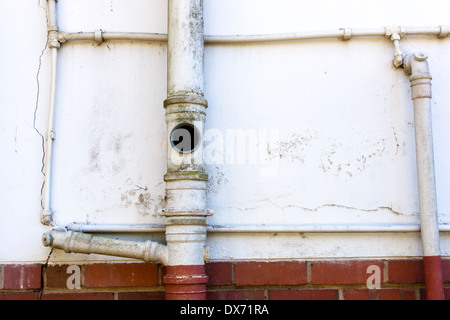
x=117 y=228
x=112 y=36
x=249 y=228
x=276 y=37
x=314 y=228
x=342 y=33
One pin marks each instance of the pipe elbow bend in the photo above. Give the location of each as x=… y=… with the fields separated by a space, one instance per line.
x=416 y=64
x=156 y=252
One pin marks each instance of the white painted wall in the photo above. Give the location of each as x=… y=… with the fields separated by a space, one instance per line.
x=342 y=114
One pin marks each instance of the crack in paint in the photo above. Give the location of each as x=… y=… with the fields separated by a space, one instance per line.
x=44 y=270
x=354 y=208
x=316 y=209
x=37 y=104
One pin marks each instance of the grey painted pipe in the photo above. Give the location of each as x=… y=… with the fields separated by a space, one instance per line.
x=148 y=251
x=342 y=33
x=417 y=66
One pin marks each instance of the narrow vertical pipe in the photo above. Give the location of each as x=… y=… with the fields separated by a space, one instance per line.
x=417 y=66
x=47 y=212
x=185 y=212
x=53 y=44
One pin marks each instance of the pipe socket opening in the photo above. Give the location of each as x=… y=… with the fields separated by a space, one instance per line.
x=47 y=239
x=185 y=138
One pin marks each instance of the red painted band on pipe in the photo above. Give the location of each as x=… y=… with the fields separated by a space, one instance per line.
x=434 y=287
x=185 y=282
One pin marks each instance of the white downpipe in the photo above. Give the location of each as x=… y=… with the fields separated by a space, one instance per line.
x=185 y=212
x=185 y=48
x=416 y=65
x=53 y=43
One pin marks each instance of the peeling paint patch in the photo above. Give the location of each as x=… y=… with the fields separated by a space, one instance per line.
x=140 y=197
x=354 y=159
x=216 y=179
x=101 y=150
x=294 y=149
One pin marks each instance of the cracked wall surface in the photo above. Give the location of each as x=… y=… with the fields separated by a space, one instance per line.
x=24 y=78
x=38 y=94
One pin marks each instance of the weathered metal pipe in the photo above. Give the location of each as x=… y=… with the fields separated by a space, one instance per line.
x=416 y=66
x=185 y=212
x=53 y=44
x=341 y=33
x=258 y=228
x=148 y=251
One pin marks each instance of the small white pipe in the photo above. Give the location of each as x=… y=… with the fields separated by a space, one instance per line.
x=254 y=228
x=323 y=34
x=53 y=43
x=342 y=33
x=47 y=211
x=51 y=24
x=112 y=36
x=116 y=228
x=315 y=228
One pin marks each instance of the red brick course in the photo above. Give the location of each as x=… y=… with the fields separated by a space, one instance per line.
x=342 y=272
x=304 y=294
x=235 y=294
x=100 y=275
x=380 y=294
x=19 y=296
x=220 y=273
x=270 y=273
x=401 y=279
x=22 y=276
x=78 y=296
x=406 y=271
x=142 y=295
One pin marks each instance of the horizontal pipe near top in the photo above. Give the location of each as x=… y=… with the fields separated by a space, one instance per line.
x=342 y=33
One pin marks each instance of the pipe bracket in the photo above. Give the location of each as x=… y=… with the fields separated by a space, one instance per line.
x=443 y=32
x=98 y=36
x=53 y=38
x=347 y=34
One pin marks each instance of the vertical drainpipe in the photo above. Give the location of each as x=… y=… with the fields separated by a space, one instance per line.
x=185 y=212
x=53 y=44
x=416 y=66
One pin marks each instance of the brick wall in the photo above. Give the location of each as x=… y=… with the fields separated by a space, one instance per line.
x=299 y=280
